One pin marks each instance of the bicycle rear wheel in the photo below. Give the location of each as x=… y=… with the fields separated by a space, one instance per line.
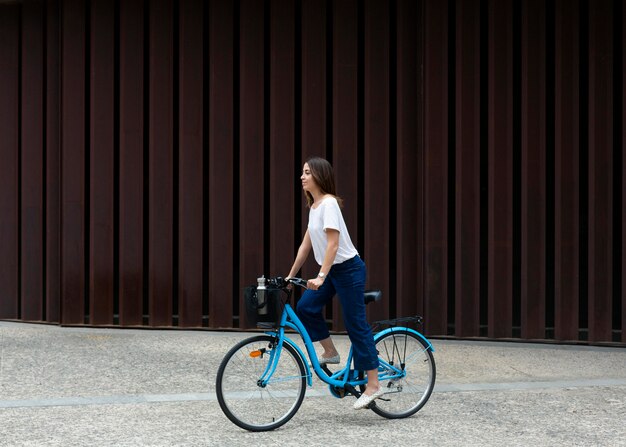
x=404 y=396
x=244 y=400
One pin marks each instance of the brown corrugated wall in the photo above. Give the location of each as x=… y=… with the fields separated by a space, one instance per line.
x=150 y=155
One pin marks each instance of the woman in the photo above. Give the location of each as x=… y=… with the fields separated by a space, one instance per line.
x=341 y=272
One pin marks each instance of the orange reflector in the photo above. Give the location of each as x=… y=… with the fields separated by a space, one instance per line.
x=256 y=353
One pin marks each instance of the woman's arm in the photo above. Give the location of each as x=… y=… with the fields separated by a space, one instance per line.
x=303 y=253
x=332 y=245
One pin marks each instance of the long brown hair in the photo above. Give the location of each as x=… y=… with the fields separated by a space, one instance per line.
x=322 y=173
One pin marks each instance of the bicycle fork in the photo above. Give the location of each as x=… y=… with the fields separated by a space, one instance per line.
x=275 y=351
x=275 y=348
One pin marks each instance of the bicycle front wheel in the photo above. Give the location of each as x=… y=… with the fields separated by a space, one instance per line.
x=250 y=404
x=406 y=394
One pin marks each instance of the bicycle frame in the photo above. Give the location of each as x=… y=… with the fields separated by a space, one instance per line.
x=341 y=378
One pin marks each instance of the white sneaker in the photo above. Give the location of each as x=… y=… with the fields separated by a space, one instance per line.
x=365 y=400
x=327 y=360
x=330 y=360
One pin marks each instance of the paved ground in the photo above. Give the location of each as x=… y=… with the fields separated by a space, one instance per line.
x=113 y=387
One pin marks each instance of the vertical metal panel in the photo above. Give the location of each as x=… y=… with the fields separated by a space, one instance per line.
x=500 y=160
x=345 y=108
x=101 y=161
x=345 y=117
x=409 y=206
x=377 y=196
x=623 y=171
x=73 y=162
x=9 y=129
x=435 y=252
x=566 y=176
x=251 y=146
x=282 y=178
x=131 y=175
x=161 y=121
x=32 y=129
x=53 y=166
x=600 y=255
x=467 y=252
x=313 y=78
x=313 y=53
x=533 y=213
x=190 y=188
x=313 y=116
x=221 y=163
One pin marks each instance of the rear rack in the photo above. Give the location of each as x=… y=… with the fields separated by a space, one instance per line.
x=404 y=321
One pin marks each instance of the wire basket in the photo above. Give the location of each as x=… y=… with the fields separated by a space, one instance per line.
x=263 y=314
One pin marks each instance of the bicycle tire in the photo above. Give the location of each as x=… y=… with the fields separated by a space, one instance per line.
x=246 y=403
x=407 y=395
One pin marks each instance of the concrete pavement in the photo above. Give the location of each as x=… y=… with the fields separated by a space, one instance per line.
x=122 y=387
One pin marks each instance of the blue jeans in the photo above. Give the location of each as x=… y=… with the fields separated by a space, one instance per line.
x=348 y=281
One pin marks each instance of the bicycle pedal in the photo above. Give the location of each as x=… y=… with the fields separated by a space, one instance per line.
x=337 y=392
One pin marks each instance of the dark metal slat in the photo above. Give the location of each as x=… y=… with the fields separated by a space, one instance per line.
x=600 y=168
x=500 y=159
x=190 y=188
x=436 y=128
x=566 y=176
x=161 y=121
x=101 y=268
x=376 y=156
x=251 y=146
x=9 y=106
x=73 y=48
x=623 y=171
x=344 y=123
x=467 y=182
x=221 y=200
x=53 y=165
x=132 y=147
x=533 y=214
x=32 y=161
x=408 y=202
x=313 y=114
x=281 y=173
x=313 y=53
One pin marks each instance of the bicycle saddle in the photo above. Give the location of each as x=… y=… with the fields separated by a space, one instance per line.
x=373 y=295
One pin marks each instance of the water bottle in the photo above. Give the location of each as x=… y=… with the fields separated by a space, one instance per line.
x=261 y=295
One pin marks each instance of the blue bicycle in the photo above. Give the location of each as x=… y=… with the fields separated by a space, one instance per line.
x=262 y=380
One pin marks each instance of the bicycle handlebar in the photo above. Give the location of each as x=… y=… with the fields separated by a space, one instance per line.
x=298 y=282
x=282 y=283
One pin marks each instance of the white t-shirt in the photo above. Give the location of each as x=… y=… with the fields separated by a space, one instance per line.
x=328 y=215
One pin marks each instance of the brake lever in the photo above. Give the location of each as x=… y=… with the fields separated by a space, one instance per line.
x=298 y=282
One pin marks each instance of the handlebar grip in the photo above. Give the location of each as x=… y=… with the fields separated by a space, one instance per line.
x=298 y=282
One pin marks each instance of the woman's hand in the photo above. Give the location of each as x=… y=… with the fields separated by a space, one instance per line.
x=315 y=283
x=289 y=285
